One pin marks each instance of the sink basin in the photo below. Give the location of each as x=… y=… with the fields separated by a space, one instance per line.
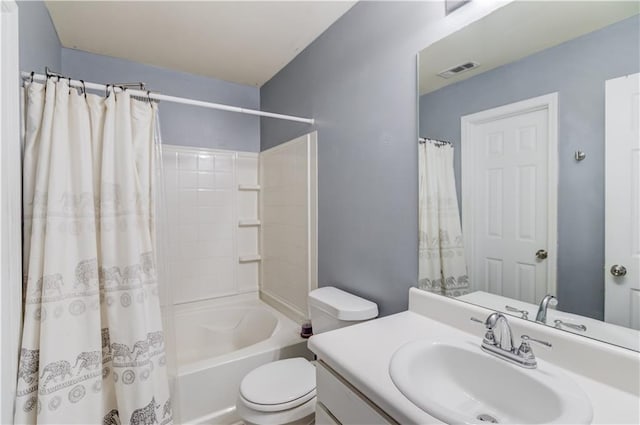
x=459 y=383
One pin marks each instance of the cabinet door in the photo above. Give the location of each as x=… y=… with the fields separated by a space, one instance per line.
x=344 y=402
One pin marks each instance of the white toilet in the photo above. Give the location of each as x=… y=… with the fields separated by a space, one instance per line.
x=284 y=391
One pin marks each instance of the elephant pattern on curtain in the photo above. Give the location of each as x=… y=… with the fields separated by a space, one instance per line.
x=441 y=263
x=92 y=345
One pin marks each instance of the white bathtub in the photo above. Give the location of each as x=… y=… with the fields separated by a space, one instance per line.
x=220 y=341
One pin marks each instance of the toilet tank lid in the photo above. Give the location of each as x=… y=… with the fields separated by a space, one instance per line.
x=342 y=305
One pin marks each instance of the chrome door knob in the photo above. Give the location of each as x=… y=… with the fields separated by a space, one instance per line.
x=618 y=270
x=541 y=254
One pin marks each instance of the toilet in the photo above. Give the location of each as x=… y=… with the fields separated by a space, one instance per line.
x=284 y=391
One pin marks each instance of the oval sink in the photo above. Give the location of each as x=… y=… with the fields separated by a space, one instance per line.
x=460 y=384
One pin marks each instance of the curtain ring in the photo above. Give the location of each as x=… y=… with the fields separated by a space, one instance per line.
x=106 y=91
x=84 y=89
x=32 y=74
x=69 y=78
x=149 y=96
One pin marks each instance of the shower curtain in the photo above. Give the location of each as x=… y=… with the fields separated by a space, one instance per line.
x=441 y=263
x=92 y=346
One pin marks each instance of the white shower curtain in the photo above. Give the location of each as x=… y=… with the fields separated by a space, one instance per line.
x=441 y=264
x=92 y=345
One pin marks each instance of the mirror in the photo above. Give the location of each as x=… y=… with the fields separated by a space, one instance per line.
x=530 y=166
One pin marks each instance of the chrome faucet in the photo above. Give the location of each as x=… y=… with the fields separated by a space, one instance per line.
x=498 y=340
x=544 y=304
x=497 y=323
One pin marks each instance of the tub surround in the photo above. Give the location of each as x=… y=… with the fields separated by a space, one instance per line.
x=288 y=205
x=207 y=208
x=247 y=202
x=607 y=374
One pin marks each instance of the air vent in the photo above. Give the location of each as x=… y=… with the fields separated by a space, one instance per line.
x=458 y=69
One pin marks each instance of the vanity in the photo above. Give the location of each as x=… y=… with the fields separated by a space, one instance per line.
x=589 y=381
x=526 y=196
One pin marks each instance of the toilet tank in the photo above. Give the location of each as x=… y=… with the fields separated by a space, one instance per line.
x=331 y=308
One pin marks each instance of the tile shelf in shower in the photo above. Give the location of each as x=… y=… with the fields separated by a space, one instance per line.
x=250 y=258
x=253 y=187
x=249 y=223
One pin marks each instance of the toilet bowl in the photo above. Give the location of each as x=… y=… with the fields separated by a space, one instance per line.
x=284 y=391
x=281 y=392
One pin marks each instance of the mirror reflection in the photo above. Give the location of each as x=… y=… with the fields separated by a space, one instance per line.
x=529 y=157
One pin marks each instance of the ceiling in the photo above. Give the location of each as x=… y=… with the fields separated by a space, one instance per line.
x=246 y=42
x=515 y=31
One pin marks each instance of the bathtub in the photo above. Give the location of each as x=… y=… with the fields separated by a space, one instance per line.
x=217 y=343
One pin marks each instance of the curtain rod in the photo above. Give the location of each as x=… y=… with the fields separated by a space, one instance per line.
x=174 y=99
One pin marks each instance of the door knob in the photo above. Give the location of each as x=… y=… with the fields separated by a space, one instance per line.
x=618 y=270
x=541 y=254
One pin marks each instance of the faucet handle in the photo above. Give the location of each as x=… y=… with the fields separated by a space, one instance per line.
x=525 y=349
x=526 y=353
x=489 y=338
x=526 y=338
x=475 y=319
x=578 y=327
x=524 y=313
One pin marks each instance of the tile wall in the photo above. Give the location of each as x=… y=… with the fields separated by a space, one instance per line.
x=212 y=199
x=288 y=211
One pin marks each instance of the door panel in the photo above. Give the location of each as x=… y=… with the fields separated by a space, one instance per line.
x=526 y=203
x=493 y=273
x=622 y=206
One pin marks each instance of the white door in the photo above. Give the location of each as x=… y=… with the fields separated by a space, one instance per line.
x=508 y=194
x=622 y=205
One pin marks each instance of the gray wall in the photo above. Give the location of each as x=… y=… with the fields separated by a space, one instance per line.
x=39 y=43
x=358 y=80
x=180 y=124
x=576 y=70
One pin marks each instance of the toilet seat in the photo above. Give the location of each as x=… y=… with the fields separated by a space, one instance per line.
x=280 y=385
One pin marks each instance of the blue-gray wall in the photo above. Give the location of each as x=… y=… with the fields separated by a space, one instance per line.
x=358 y=80
x=180 y=124
x=576 y=70
x=39 y=43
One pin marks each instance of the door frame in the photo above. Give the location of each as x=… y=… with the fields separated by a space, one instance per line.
x=10 y=207
x=469 y=125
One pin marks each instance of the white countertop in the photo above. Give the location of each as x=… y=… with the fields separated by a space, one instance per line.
x=362 y=353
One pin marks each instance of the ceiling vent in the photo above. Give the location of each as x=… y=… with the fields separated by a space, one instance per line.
x=458 y=69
